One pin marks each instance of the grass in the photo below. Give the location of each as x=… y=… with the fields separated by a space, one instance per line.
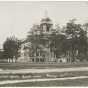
x=77 y=82
x=41 y=65
x=42 y=75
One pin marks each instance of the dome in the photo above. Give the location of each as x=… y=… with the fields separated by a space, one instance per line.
x=46 y=20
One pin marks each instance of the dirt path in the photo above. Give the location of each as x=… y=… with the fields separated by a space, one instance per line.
x=45 y=70
x=38 y=80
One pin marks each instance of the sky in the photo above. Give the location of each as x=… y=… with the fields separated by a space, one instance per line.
x=16 y=18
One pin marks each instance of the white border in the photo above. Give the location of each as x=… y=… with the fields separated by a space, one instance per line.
x=46 y=0
x=43 y=0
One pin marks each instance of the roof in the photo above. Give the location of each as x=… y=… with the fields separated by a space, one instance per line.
x=46 y=19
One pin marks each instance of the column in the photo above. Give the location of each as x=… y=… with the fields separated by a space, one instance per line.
x=35 y=56
x=39 y=56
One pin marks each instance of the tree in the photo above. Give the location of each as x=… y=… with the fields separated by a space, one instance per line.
x=34 y=38
x=11 y=47
x=76 y=41
x=1 y=55
x=58 y=40
x=69 y=41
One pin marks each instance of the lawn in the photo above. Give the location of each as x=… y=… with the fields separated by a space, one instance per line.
x=14 y=66
x=77 y=82
x=41 y=65
x=44 y=75
x=21 y=76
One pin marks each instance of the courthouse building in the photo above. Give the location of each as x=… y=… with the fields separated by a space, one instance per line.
x=43 y=52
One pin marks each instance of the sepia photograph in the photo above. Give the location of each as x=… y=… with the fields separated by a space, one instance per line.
x=43 y=43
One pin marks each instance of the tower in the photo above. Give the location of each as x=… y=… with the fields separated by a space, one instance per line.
x=46 y=23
